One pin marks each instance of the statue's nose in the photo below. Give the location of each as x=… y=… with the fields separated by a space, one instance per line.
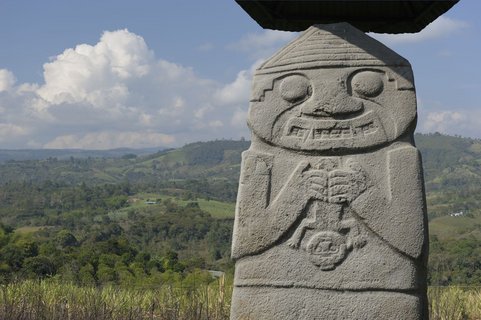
x=329 y=104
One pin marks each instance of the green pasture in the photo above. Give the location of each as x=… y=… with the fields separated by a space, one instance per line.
x=29 y=229
x=448 y=227
x=217 y=209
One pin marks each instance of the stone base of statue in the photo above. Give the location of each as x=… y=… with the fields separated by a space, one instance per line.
x=256 y=303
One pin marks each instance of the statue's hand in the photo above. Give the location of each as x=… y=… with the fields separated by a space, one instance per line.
x=317 y=184
x=345 y=185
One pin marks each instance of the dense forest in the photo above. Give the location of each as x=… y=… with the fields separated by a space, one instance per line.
x=147 y=218
x=106 y=234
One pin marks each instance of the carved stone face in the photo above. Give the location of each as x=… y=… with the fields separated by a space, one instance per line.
x=323 y=109
x=332 y=107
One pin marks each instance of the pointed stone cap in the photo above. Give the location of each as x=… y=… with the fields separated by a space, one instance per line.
x=387 y=16
x=332 y=45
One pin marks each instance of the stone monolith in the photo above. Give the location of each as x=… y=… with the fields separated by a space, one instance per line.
x=331 y=216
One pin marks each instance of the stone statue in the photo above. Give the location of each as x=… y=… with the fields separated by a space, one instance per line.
x=331 y=217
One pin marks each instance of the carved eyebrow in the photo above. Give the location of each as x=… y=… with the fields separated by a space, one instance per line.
x=402 y=76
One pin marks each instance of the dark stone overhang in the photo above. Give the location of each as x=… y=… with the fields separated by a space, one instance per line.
x=388 y=16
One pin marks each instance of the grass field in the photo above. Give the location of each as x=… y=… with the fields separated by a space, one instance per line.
x=454 y=303
x=217 y=209
x=52 y=300
x=448 y=227
x=29 y=229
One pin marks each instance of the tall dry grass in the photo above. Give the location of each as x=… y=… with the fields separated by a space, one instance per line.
x=454 y=303
x=52 y=300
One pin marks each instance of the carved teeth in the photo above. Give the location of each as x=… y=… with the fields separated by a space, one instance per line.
x=308 y=133
x=332 y=130
x=298 y=131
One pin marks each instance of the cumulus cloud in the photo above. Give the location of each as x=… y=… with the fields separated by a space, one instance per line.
x=441 y=27
x=118 y=93
x=96 y=74
x=7 y=80
x=109 y=139
x=237 y=91
x=465 y=121
x=239 y=118
x=442 y=121
x=9 y=131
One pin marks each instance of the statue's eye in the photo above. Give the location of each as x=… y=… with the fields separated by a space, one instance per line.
x=367 y=83
x=295 y=88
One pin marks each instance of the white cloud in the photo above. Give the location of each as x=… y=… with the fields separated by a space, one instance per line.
x=239 y=118
x=216 y=124
x=109 y=139
x=7 y=80
x=441 y=27
x=96 y=74
x=237 y=91
x=117 y=93
x=442 y=121
x=264 y=44
x=464 y=121
x=11 y=131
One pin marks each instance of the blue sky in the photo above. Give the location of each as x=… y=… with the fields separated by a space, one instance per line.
x=107 y=74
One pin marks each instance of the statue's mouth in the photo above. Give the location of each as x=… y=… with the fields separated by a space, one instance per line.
x=325 y=133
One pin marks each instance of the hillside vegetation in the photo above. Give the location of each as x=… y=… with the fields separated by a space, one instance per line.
x=159 y=217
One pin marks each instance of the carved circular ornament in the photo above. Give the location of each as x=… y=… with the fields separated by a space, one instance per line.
x=326 y=249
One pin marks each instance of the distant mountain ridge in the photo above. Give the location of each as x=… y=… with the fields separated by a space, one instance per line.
x=215 y=164
x=449 y=162
x=41 y=154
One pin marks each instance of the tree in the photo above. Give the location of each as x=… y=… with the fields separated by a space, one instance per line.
x=66 y=239
x=41 y=266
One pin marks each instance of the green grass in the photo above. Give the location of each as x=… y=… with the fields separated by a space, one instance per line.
x=475 y=147
x=29 y=229
x=170 y=158
x=138 y=200
x=103 y=175
x=217 y=209
x=448 y=227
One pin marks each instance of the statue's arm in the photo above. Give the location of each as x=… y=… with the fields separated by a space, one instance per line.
x=260 y=218
x=397 y=213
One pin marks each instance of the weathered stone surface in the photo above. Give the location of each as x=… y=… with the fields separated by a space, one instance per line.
x=331 y=217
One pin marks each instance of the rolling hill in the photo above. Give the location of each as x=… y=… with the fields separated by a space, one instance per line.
x=199 y=182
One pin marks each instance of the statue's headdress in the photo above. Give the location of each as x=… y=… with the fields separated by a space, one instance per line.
x=336 y=45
